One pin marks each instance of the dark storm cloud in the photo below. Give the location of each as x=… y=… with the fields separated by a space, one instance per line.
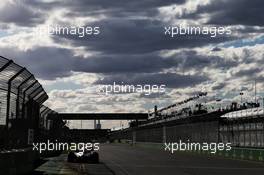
x=147 y=63
x=248 y=73
x=250 y=29
x=51 y=62
x=259 y=79
x=85 y=5
x=19 y=14
x=232 y=12
x=115 y=8
x=171 y=80
x=216 y=49
x=190 y=59
x=32 y=12
x=126 y=44
x=126 y=63
x=44 y=62
x=134 y=36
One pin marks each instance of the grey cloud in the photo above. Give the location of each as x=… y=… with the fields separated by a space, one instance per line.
x=116 y=8
x=216 y=49
x=190 y=59
x=82 y=5
x=44 y=62
x=136 y=36
x=154 y=95
x=234 y=12
x=243 y=88
x=118 y=5
x=171 y=80
x=20 y=14
x=51 y=62
x=126 y=63
x=219 y=86
x=87 y=107
x=248 y=72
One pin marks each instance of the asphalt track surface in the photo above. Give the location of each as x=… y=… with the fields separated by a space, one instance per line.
x=128 y=160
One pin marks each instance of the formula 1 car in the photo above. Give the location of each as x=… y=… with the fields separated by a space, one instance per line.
x=83 y=156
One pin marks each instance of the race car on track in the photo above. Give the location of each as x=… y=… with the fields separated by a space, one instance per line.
x=83 y=156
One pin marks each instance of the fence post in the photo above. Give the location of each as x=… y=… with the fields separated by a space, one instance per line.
x=24 y=96
x=134 y=137
x=164 y=134
x=9 y=94
x=18 y=93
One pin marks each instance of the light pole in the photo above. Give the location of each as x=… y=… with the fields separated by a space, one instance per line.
x=0 y=109
x=262 y=103
x=219 y=102
x=241 y=94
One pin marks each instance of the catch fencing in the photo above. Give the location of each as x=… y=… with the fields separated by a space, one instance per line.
x=21 y=97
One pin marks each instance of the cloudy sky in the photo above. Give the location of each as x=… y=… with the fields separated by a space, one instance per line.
x=132 y=48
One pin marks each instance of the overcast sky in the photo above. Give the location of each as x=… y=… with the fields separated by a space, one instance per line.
x=132 y=48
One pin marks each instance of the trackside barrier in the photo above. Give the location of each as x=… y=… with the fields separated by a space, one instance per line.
x=17 y=161
x=235 y=153
x=244 y=154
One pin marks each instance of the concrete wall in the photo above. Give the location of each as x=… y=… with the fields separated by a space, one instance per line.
x=17 y=162
x=195 y=132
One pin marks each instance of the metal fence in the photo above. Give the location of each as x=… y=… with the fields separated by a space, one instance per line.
x=240 y=128
x=21 y=96
x=243 y=132
x=44 y=123
x=47 y=127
